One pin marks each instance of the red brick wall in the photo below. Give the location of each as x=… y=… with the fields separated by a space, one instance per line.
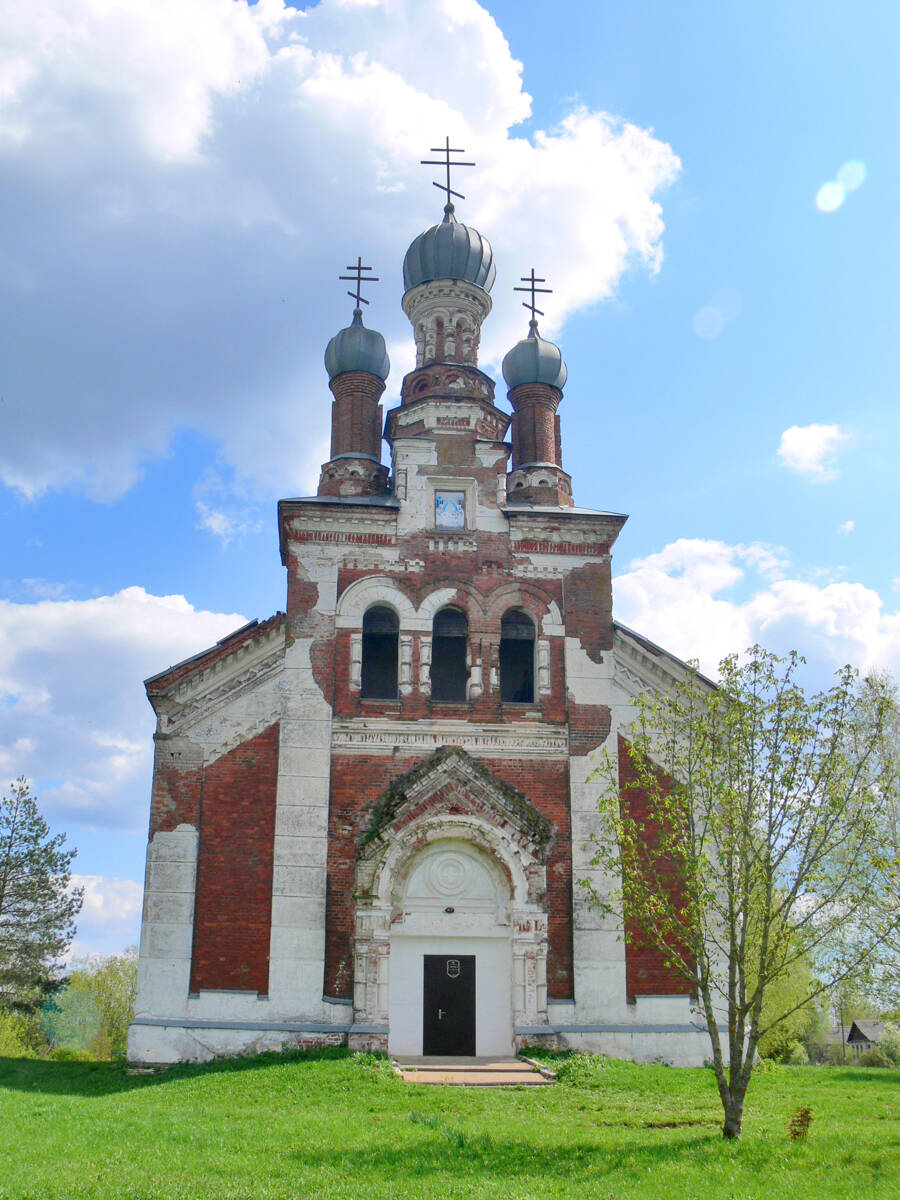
x=233 y=912
x=589 y=608
x=646 y=973
x=357 y=783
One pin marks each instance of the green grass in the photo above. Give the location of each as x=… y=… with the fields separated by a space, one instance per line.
x=323 y=1125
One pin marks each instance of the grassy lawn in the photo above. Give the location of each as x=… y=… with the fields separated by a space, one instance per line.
x=324 y=1125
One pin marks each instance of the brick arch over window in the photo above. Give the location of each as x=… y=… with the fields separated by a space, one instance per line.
x=364 y=594
x=451 y=594
x=543 y=609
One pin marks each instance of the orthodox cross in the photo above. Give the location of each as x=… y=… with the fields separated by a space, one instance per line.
x=447 y=163
x=359 y=279
x=532 y=281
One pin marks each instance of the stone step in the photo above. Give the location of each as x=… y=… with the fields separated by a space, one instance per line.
x=471 y=1072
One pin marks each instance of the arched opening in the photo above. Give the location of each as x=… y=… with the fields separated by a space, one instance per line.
x=451 y=972
x=516 y=658
x=380 y=637
x=449 y=671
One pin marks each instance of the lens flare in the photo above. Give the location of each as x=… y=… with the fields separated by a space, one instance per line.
x=852 y=175
x=708 y=322
x=830 y=197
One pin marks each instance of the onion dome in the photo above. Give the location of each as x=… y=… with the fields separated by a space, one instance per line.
x=450 y=250
x=357 y=349
x=534 y=360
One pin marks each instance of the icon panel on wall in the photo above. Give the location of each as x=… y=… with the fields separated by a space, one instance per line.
x=450 y=510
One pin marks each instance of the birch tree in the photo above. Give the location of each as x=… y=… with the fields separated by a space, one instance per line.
x=747 y=833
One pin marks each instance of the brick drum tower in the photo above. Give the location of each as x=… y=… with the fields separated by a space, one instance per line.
x=369 y=813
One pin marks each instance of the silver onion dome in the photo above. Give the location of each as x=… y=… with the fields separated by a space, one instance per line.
x=450 y=250
x=534 y=360
x=357 y=349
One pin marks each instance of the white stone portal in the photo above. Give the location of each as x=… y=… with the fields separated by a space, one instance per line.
x=456 y=900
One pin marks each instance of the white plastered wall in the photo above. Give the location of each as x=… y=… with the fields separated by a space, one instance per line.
x=653 y=1026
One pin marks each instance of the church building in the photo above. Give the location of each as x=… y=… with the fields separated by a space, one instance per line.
x=371 y=813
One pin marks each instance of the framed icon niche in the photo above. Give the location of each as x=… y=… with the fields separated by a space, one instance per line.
x=449 y=509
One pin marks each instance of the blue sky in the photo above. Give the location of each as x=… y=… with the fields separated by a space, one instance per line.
x=174 y=222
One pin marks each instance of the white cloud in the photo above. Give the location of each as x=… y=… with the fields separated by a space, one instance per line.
x=705 y=599
x=73 y=715
x=810 y=450
x=222 y=509
x=175 y=220
x=847 y=527
x=110 y=917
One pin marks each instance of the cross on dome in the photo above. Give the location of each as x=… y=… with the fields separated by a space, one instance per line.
x=358 y=278
x=531 y=282
x=447 y=163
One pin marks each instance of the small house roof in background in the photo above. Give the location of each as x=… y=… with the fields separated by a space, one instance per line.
x=870 y=1031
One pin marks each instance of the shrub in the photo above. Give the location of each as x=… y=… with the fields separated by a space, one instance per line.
x=14 y=1041
x=581 y=1070
x=875 y=1057
x=890 y=1044
x=795 y=1054
x=798 y=1129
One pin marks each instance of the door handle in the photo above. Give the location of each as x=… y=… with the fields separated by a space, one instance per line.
x=440 y=1014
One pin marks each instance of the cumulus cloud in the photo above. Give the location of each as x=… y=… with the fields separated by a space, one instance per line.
x=810 y=450
x=110 y=916
x=704 y=599
x=174 y=221
x=847 y=527
x=73 y=715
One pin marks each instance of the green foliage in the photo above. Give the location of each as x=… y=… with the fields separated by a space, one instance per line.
x=873 y=1057
x=374 y=1062
x=71 y=1020
x=751 y=833
x=108 y=982
x=14 y=1039
x=890 y=1043
x=795 y=1054
x=804 y=1023
x=581 y=1070
x=37 y=905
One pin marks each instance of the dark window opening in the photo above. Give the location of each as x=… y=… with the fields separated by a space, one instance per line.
x=516 y=658
x=379 y=654
x=449 y=673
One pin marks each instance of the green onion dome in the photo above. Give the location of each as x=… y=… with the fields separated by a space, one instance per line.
x=534 y=360
x=357 y=349
x=450 y=250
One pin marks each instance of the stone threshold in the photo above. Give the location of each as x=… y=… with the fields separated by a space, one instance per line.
x=472 y=1072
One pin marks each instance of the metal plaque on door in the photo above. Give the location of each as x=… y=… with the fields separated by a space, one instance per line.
x=453 y=968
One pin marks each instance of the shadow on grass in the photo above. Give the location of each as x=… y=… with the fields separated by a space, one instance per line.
x=869 y=1074
x=512 y=1158
x=35 y=1075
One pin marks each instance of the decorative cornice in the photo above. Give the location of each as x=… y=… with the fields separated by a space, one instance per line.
x=638 y=670
x=201 y=696
x=383 y=736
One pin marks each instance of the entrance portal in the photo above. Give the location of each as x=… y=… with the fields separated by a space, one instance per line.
x=453 y=873
x=448 y=1010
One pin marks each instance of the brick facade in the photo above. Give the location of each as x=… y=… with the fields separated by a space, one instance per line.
x=269 y=874
x=232 y=921
x=646 y=972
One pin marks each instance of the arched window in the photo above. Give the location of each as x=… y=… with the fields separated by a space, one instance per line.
x=378 y=680
x=449 y=673
x=517 y=658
